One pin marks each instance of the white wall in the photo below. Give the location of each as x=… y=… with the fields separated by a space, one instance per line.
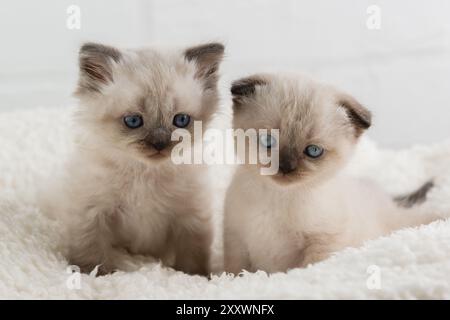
x=401 y=72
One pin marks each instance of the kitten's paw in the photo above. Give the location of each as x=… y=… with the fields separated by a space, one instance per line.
x=193 y=268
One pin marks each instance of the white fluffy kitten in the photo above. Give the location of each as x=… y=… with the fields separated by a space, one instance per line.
x=121 y=191
x=309 y=209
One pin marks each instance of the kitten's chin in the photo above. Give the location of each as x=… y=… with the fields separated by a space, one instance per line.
x=154 y=158
x=159 y=156
x=285 y=179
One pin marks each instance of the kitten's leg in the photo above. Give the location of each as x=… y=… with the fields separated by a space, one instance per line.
x=318 y=247
x=236 y=256
x=90 y=242
x=192 y=246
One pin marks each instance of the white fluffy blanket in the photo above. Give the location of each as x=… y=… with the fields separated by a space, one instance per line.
x=411 y=263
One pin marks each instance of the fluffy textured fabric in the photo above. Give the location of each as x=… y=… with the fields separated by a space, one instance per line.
x=411 y=263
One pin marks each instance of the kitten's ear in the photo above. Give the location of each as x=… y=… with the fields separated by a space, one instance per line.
x=245 y=88
x=359 y=116
x=207 y=58
x=96 y=63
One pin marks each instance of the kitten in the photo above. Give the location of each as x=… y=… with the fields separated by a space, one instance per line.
x=121 y=190
x=309 y=208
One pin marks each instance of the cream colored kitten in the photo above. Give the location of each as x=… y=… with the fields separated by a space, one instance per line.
x=121 y=190
x=310 y=208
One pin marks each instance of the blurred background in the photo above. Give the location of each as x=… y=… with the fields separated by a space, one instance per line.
x=398 y=64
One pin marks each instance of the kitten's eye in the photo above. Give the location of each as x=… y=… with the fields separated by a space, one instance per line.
x=133 y=121
x=267 y=141
x=313 y=151
x=181 y=120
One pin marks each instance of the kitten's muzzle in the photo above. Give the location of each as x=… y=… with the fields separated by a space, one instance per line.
x=159 y=145
x=288 y=164
x=159 y=138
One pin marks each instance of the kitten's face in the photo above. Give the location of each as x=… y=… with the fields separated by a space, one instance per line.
x=318 y=125
x=132 y=101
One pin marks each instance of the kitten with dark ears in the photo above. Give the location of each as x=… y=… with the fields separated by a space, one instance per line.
x=121 y=191
x=310 y=208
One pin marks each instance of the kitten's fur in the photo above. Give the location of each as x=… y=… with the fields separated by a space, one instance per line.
x=119 y=192
x=288 y=220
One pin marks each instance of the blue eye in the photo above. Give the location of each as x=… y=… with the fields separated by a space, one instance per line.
x=313 y=151
x=267 y=141
x=133 y=121
x=181 y=120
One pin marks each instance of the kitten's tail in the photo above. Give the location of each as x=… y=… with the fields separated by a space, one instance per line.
x=410 y=212
x=417 y=197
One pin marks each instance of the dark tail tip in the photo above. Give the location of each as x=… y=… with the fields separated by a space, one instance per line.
x=417 y=197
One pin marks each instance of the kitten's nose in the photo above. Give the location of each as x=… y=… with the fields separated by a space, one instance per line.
x=159 y=145
x=288 y=164
x=159 y=138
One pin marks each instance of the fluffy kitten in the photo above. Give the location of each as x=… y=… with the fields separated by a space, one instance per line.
x=310 y=208
x=121 y=190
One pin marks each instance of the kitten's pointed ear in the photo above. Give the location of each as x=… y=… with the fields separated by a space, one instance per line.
x=360 y=118
x=207 y=58
x=245 y=88
x=96 y=63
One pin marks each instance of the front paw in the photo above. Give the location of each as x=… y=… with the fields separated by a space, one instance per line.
x=192 y=266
